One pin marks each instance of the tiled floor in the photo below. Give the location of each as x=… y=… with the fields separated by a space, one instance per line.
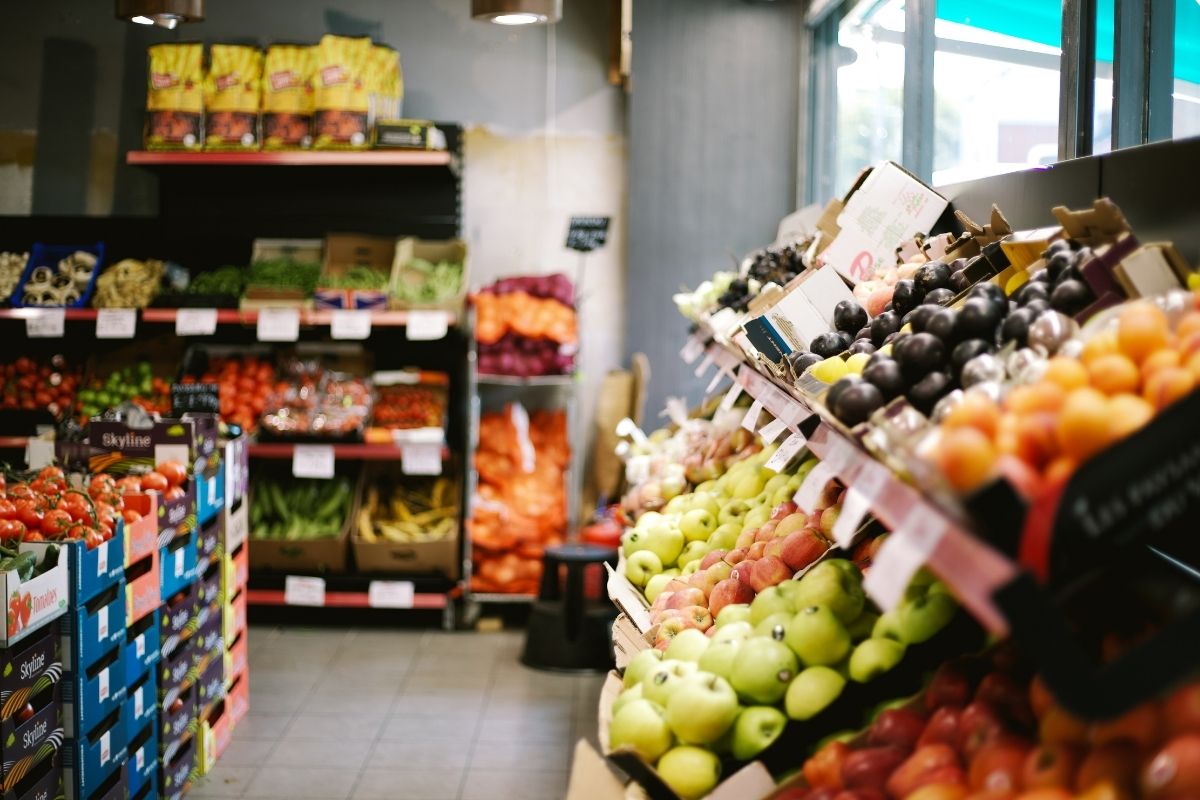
x=419 y=715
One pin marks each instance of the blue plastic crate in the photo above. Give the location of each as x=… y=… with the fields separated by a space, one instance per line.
x=90 y=630
x=91 y=695
x=92 y=757
x=177 y=565
x=142 y=645
x=48 y=255
x=143 y=760
x=210 y=496
x=141 y=704
x=93 y=571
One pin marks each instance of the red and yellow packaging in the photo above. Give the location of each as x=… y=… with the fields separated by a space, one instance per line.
x=232 y=92
x=342 y=94
x=288 y=96
x=174 y=97
x=385 y=83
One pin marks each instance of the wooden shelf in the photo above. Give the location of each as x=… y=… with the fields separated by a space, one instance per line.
x=294 y=158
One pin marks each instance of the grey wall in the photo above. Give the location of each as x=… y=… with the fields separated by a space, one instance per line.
x=712 y=123
x=455 y=69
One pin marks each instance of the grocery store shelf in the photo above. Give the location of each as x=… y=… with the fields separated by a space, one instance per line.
x=13 y=442
x=501 y=597
x=532 y=380
x=233 y=316
x=297 y=158
x=347 y=452
x=69 y=314
x=277 y=597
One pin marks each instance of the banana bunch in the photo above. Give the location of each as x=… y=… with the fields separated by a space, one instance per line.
x=405 y=514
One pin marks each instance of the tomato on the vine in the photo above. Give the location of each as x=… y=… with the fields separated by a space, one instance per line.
x=11 y=529
x=154 y=482
x=94 y=539
x=34 y=536
x=55 y=523
x=131 y=515
x=29 y=512
x=8 y=509
x=173 y=471
x=130 y=483
x=75 y=505
x=21 y=491
x=174 y=493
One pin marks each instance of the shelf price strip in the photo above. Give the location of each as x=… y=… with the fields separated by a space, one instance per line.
x=195 y=322
x=300 y=590
x=46 y=323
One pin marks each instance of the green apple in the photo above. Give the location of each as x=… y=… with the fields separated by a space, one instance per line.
x=888 y=625
x=817 y=637
x=734 y=612
x=754 y=730
x=863 y=625
x=704 y=501
x=676 y=505
x=733 y=511
x=725 y=536
x=672 y=487
x=655 y=586
x=812 y=691
x=755 y=517
x=702 y=708
x=791 y=590
x=690 y=772
x=693 y=551
x=709 y=487
x=690 y=568
x=697 y=525
x=687 y=645
x=762 y=671
x=775 y=626
x=790 y=524
x=922 y=618
x=781 y=495
x=626 y=697
x=940 y=587
x=664 y=541
x=771 y=600
x=661 y=681
x=734 y=631
x=632 y=541
x=649 y=519
x=641 y=726
x=873 y=657
x=641 y=567
x=802 y=471
x=718 y=658
x=775 y=482
x=640 y=665
x=827 y=584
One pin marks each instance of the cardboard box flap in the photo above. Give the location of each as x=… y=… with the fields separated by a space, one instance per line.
x=344 y=251
x=1101 y=223
x=593 y=779
x=628 y=599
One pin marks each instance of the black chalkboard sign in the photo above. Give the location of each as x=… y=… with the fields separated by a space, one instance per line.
x=587 y=233
x=202 y=397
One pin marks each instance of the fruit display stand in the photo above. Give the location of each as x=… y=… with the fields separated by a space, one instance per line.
x=31 y=723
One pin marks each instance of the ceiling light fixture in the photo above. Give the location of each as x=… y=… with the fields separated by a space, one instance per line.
x=517 y=12
x=163 y=13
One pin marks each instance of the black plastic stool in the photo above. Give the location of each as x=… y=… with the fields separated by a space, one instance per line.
x=567 y=632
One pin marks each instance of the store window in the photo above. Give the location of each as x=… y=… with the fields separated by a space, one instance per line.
x=1102 y=122
x=1186 y=97
x=870 y=88
x=996 y=84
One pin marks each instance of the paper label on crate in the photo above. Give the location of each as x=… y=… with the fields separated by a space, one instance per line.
x=102 y=560
x=299 y=590
x=750 y=421
x=692 y=350
x=871 y=480
x=902 y=554
x=735 y=391
x=278 y=325
x=425 y=326
x=421 y=459
x=47 y=323
x=772 y=430
x=350 y=324
x=312 y=461
x=786 y=452
x=705 y=363
x=179 y=563
x=102 y=623
x=854 y=508
x=139 y=645
x=141 y=759
x=39 y=453
x=195 y=322
x=138 y=707
x=716 y=379
x=390 y=594
x=102 y=680
x=105 y=747
x=813 y=485
x=116 y=323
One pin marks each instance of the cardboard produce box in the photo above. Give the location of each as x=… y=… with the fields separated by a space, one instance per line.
x=41 y=599
x=348 y=251
x=433 y=251
x=304 y=555
x=379 y=543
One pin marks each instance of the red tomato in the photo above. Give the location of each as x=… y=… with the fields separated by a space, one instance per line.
x=7 y=509
x=33 y=536
x=94 y=539
x=174 y=493
x=173 y=471
x=55 y=523
x=154 y=482
x=131 y=516
x=29 y=514
x=11 y=529
x=75 y=505
x=130 y=483
x=20 y=491
x=51 y=472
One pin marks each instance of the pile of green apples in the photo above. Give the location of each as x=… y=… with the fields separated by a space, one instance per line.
x=787 y=655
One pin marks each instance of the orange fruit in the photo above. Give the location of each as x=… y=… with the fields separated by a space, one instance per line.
x=1129 y=412
x=1114 y=374
x=975 y=411
x=1040 y=396
x=1066 y=372
x=1101 y=344
x=1159 y=359
x=1141 y=329
x=1083 y=426
x=1059 y=468
x=1167 y=385
x=1036 y=440
x=966 y=457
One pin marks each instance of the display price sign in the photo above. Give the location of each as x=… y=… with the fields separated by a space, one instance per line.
x=350 y=324
x=195 y=322
x=586 y=234
x=421 y=459
x=390 y=594
x=312 y=461
x=47 y=323
x=278 y=325
x=301 y=590
x=426 y=326
x=198 y=397
x=116 y=323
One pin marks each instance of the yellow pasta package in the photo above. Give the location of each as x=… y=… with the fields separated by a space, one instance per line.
x=385 y=83
x=174 y=100
x=231 y=97
x=342 y=102
x=287 y=96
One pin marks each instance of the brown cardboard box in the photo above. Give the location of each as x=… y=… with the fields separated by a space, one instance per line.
x=439 y=556
x=343 y=252
x=306 y=555
x=432 y=250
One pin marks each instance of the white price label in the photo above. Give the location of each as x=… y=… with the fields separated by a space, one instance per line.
x=704 y=365
x=102 y=680
x=421 y=459
x=854 y=508
x=390 y=594
x=195 y=322
x=138 y=704
x=692 y=350
x=786 y=452
x=102 y=560
x=46 y=323
x=105 y=747
x=139 y=646
x=750 y=421
x=424 y=326
x=39 y=453
x=102 y=623
x=312 y=461
x=902 y=554
x=676 y=410
x=716 y=379
x=179 y=563
x=141 y=759
x=871 y=480
x=116 y=323
x=350 y=324
x=814 y=484
x=278 y=325
x=772 y=430
x=735 y=391
x=299 y=590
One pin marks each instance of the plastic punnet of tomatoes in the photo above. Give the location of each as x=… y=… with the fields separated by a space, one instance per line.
x=319 y=406
x=33 y=391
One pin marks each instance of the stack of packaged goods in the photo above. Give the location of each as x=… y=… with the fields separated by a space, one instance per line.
x=31 y=720
x=142 y=601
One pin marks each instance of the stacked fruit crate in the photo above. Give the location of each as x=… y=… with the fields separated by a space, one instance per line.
x=143 y=587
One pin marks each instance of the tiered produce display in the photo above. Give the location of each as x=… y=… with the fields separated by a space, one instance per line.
x=986 y=398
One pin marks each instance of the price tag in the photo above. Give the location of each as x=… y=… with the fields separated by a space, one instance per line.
x=105 y=746
x=871 y=480
x=793 y=413
x=772 y=430
x=735 y=391
x=179 y=563
x=424 y=326
x=854 y=508
x=902 y=554
x=813 y=485
x=350 y=324
x=692 y=350
x=312 y=461
x=141 y=759
x=278 y=325
x=750 y=421
x=421 y=459
x=390 y=594
x=39 y=453
x=46 y=323
x=195 y=322
x=102 y=623
x=705 y=363
x=116 y=323
x=139 y=645
x=721 y=374
x=102 y=560
x=299 y=590
x=786 y=452
x=102 y=680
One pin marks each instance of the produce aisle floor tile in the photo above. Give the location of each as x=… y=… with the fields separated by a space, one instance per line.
x=401 y=715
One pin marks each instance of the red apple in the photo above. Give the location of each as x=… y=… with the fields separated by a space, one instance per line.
x=942 y=727
x=774 y=549
x=742 y=570
x=734 y=557
x=768 y=572
x=713 y=557
x=1003 y=694
x=870 y=767
x=1116 y=763
x=1181 y=710
x=1049 y=765
x=829 y=518
x=783 y=509
x=756 y=551
x=978 y=725
x=915 y=771
x=864 y=551
x=900 y=727
x=1174 y=772
x=823 y=770
x=999 y=766
x=828 y=497
x=687 y=596
x=746 y=538
x=699 y=616
x=729 y=592
x=948 y=687
x=1141 y=725
x=767 y=532
x=660 y=604
x=802 y=548
x=671 y=626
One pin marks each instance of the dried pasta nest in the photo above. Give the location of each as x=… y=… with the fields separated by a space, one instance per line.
x=129 y=284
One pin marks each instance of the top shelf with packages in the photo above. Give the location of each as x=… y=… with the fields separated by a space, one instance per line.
x=293 y=158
